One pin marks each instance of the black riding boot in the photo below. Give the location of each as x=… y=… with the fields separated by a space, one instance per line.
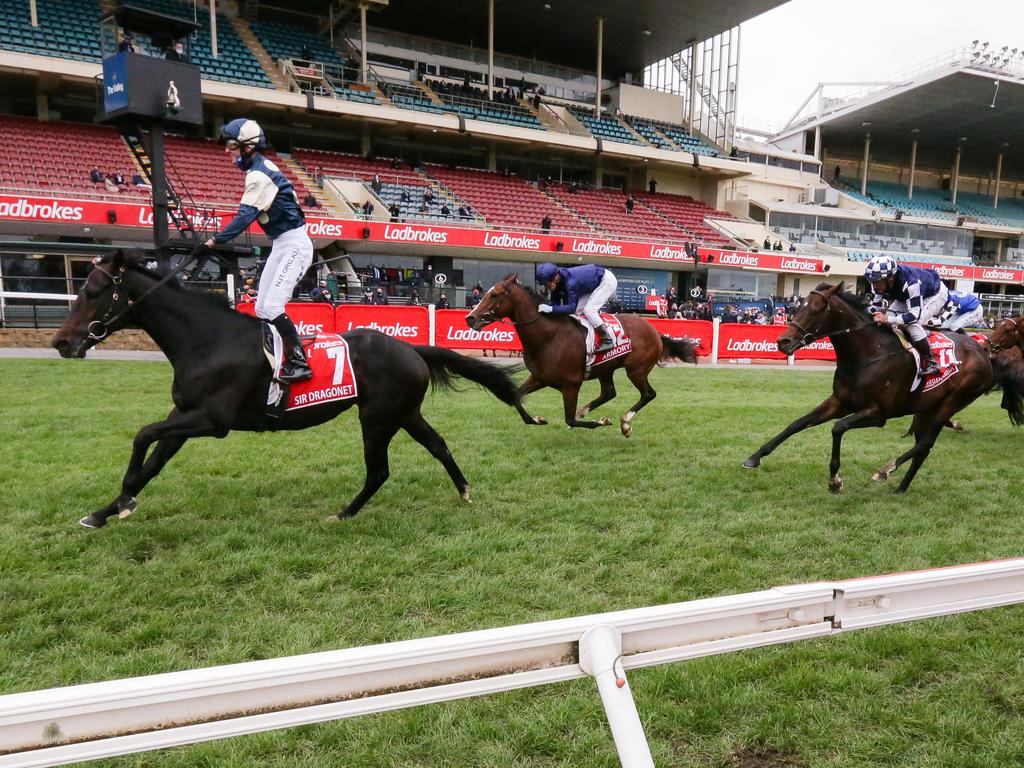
x=604 y=339
x=928 y=366
x=296 y=367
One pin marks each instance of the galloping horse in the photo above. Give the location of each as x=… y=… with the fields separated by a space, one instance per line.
x=1008 y=334
x=221 y=376
x=554 y=350
x=873 y=377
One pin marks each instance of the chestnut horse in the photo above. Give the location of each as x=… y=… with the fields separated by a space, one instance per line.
x=554 y=351
x=1008 y=334
x=873 y=379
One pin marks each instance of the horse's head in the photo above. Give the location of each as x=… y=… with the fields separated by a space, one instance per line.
x=100 y=309
x=814 y=320
x=497 y=303
x=1007 y=333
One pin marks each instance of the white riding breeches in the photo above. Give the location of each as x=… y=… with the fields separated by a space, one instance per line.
x=590 y=305
x=930 y=307
x=972 y=318
x=290 y=257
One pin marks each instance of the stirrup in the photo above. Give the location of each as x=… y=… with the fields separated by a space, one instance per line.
x=605 y=345
x=929 y=368
x=293 y=370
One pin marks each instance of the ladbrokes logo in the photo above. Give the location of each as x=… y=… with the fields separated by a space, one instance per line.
x=823 y=345
x=309 y=329
x=323 y=228
x=487 y=334
x=997 y=274
x=739 y=260
x=51 y=211
x=594 y=247
x=505 y=240
x=668 y=252
x=946 y=271
x=407 y=234
x=395 y=330
x=749 y=345
x=799 y=265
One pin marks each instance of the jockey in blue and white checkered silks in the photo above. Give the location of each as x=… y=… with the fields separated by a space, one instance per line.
x=907 y=296
x=270 y=199
x=585 y=288
x=963 y=310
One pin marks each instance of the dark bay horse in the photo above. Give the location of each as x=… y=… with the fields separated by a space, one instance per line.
x=873 y=378
x=554 y=351
x=221 y=376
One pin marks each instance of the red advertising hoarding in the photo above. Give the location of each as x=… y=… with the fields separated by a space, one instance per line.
x=411 y=324
x=774 y=262
x=742 y=340
x=309 y=318
x=702 y=330
x=451 y=332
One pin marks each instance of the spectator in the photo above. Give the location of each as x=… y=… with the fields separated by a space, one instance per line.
x=729 y=315
x=310 y=201
x=96 y=176
x=367 y=209
x=778 y=245
x=376 y=184
x=445 y=210
x=652 y=186
x=395 y=211
x=428 y=195
x=367 y=296
x=536 y=100
x=836 y=174
x=320 y=292
x=414 y=297
x=139 y=182
x=463 y=213
x=380 y=297
x=474 y=298
x=442 y=302
x=406 y=198
x=248 y=296
x=307 y=54
x=545 y=223
x=573 y=187
x=792 y=247
x=118 y=178
x=177 y=53
x=126 y=44
x=424 y=207
x=629 y=203
x=767 y=244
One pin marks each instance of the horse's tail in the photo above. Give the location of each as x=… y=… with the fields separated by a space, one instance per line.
x=682 y=349
x=1009 y=374
x=444 y=365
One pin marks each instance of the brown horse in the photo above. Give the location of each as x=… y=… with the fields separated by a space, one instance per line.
x=873 y=378
x=554 y=351
x=1008 y=334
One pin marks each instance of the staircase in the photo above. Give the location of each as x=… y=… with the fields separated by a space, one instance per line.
x=175 y=209
x=326 y=203
x=255 y=47
x=428 y=92
x=593 y=226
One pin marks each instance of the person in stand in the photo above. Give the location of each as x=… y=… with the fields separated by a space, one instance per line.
x=96 y=176
x=270 y=199
x=652 y=186
x=586 y=288
x=907 y=296
x=377 y=185
x=729 y=315
x=177 y=53
x=474 y=298
x=630 y=203
x=394 y=211
x=118 y=179
x=414 y=297
x=962 y=310
x=380 y=297
x=545 y=223
x=442 y=302
x=126 y=44
x=367 y=296
x=320 y=292
x=367 y=209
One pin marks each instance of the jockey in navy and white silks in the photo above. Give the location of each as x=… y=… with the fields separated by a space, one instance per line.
x=270 y=199
x=907 y=296
x=962 y=310
x=585 y=288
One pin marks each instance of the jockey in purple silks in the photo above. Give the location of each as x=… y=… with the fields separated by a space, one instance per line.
x=586 y=287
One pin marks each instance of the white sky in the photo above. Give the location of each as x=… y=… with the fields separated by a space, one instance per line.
x=786 y=52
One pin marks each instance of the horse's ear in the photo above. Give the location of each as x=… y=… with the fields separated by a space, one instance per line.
x=840 y=287
x=118 y=259
x=515 y=278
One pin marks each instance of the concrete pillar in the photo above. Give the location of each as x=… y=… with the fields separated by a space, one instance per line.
x=956 y=171
x=999 y=174
x=913 y=167
x=33 y=13
x=691 y=118
x=864 y=168
x=817 y=142
x=213 y=28
x=367 y=144
x=492 y=157
x=490 y=49
x=600 y=55
x=362 y=44
x=42 y=105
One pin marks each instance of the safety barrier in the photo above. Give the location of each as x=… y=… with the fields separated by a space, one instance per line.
x=100 y=720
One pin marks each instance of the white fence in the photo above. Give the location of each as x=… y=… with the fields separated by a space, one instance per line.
x=98 y=720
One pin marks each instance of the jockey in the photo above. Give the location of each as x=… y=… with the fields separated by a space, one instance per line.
x=962 y=309
x=907 y=296
x=269 y=199
x=586 y=287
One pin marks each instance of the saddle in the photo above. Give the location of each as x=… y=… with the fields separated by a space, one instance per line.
x=621 y=342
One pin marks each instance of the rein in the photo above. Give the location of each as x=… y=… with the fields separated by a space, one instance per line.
x=117 y=280
x=809 y=337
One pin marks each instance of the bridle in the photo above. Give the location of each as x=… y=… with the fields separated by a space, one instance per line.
x=117 y=280
x=814 y=334
x=1015 y=333
x=488 y=317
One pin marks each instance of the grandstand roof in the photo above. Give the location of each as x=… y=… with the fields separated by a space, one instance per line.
x=944 y=109
x=564 y=34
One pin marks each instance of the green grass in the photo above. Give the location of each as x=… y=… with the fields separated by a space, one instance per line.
x=228 y=559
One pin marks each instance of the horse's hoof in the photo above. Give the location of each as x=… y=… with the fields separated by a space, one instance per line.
x=883 y=474
x=128 y=508
x=957 y=426
x=91 y=522
x=627 y=429
x=539 y=420
x=835 y=484
x=605 y=422
x=581 y=414
x=465 y=496
x=752 y=463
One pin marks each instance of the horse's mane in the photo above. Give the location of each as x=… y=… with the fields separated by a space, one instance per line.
x=210 y=298
x=534 y=296
x=857 y=302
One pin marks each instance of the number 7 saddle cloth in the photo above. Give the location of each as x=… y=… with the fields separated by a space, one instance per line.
x=333 y=376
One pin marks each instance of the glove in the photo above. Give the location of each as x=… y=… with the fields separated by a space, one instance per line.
x=200 y=250
x=545 y=308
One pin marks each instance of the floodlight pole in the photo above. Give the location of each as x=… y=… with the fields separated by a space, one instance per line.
x=999 y=174
x=864 y=170
x=490 y=49
x=362 y=43
x=600 y=55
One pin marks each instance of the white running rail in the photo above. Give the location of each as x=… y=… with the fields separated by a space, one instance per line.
x=99 y=720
